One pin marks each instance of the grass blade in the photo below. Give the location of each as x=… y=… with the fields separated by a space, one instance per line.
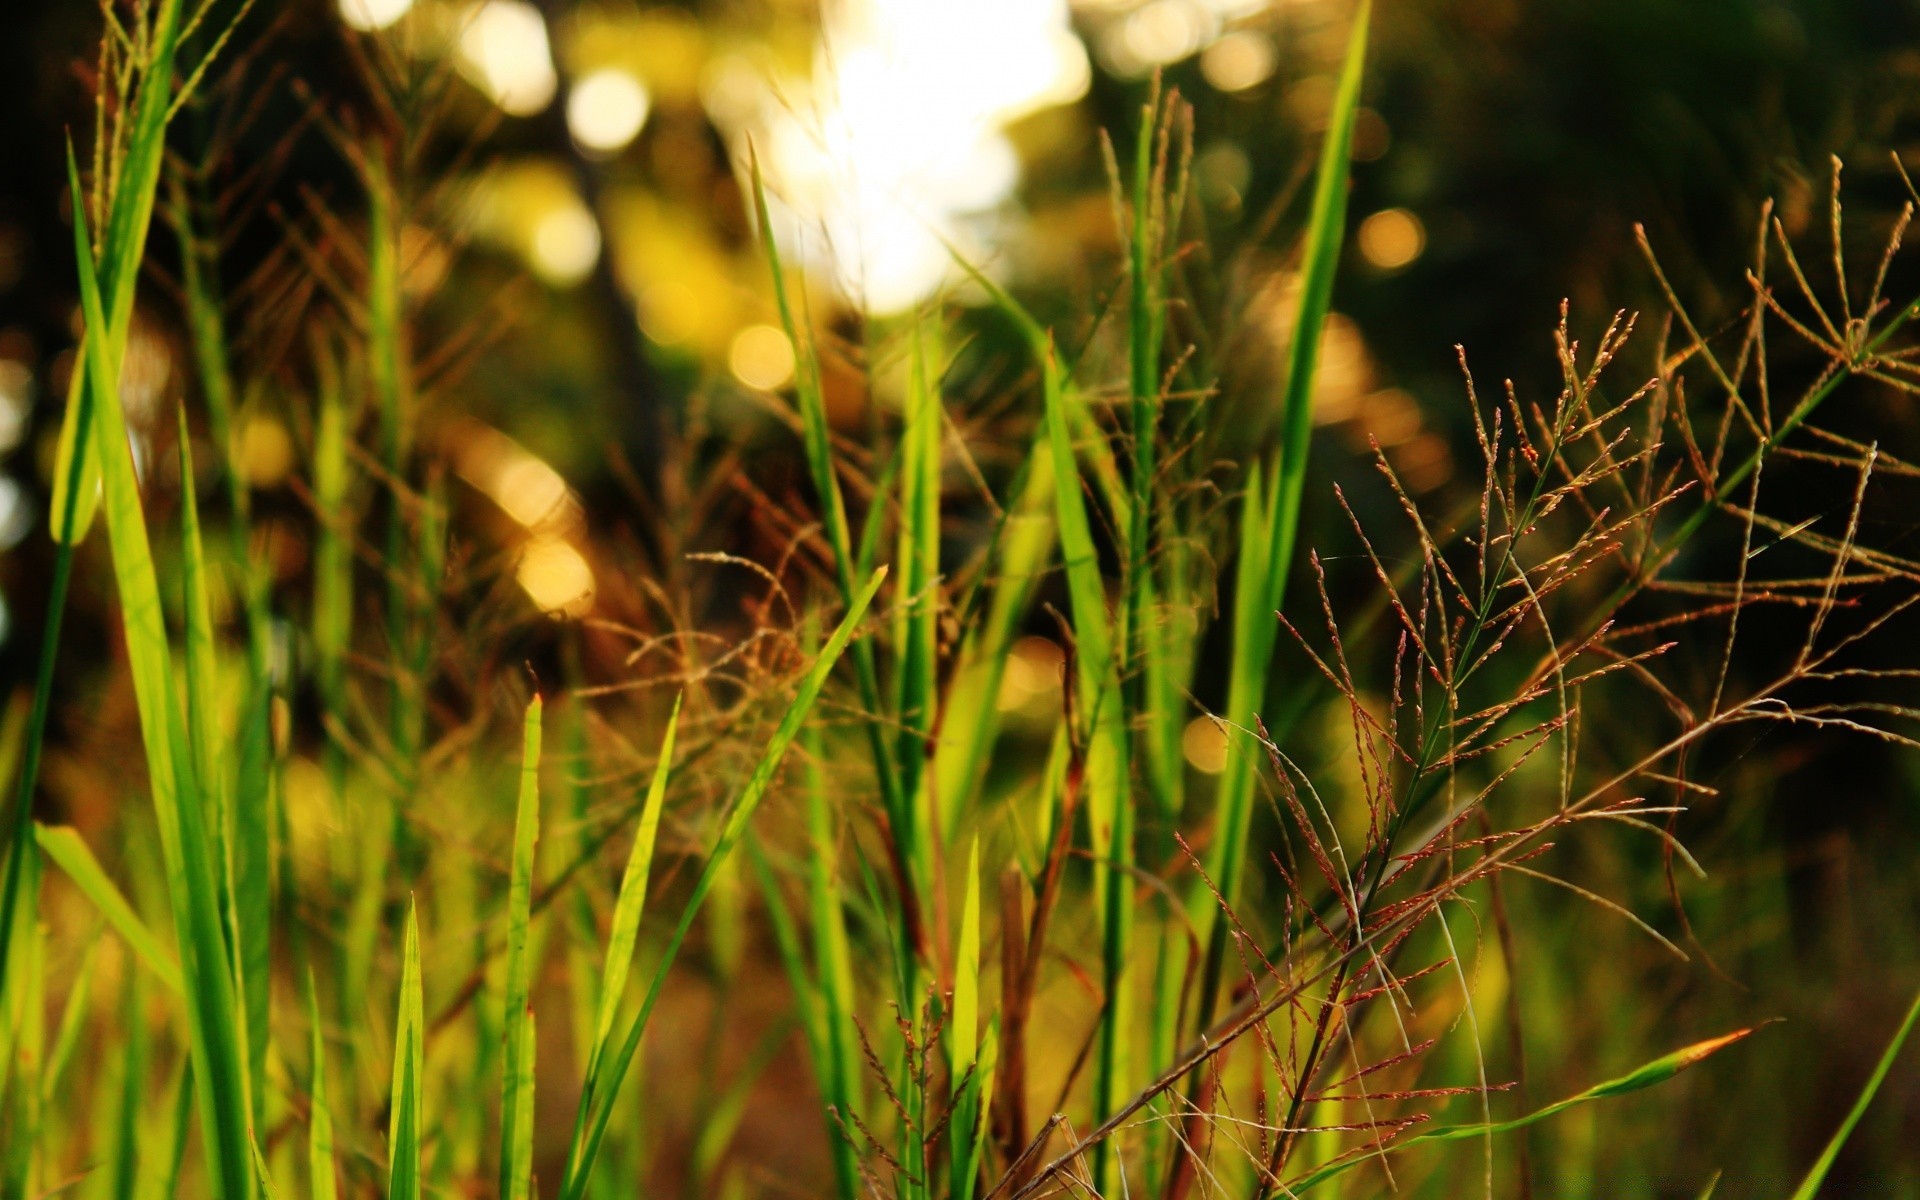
x=596 y=1104
x=630 y=904
x=517 y=1019
x=409 y=1072
x=70 y=853
x=1817 y=1174
x=1270 y=517
x=1646 y=1075
x=216 y=1040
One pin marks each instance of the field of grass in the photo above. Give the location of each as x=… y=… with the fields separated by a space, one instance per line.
x=1022 y=765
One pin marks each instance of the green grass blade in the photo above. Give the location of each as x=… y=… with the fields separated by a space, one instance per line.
x=409 y=1073
x=631 y=902
x=320 y=1168
x=332 y=562
x=1646 y=1075
x=971 y=720
x=1109 y=804
x=216 y=1040
x=1272 y=508
x=839 y=1064
x=518 y=1152
x=597 y=1104
x=918 y=613
x=516 y=1020
x=833 y=517
x=1817 y=1174
x=70 y=853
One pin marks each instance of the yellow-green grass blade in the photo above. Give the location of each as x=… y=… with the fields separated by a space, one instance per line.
x=1646 y=1075
x=71 y=854
x=518 y=1151
x=596 y=1104
x=1272 y=508
x=1817 y=1174
x=516 y=1020
x=215 y=1037
x=971 y=720
x=409 y=1073
x=630 y=903
x=918 y=613
x=964 y=1035
x=321 y=1173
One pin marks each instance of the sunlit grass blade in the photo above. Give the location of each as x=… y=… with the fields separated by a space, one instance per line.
x=1270 y=517
x=516 y=1019
x=1646 y=1075
x=964 y=1037
x=971 y=720
x=833 y=517
x=216 y=1040
x=1817 y=1174
x=630 y=903
x=320 y=1168
x=64 y=846
x=596 y=1105
x=917 y=615
x=1109 y=802
x=332 y=561
x=409 y=1073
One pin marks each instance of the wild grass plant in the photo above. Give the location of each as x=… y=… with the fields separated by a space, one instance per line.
x=381 y=921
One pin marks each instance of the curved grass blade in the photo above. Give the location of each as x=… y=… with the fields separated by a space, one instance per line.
x=1817 y=1174
x=596 y=1104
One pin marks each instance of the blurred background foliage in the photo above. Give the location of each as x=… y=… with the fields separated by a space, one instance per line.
x=583 y=252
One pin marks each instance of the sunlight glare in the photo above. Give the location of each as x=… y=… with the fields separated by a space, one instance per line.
x=504 y=52
x=898 y=146
x=607 y=109
x=370 y=15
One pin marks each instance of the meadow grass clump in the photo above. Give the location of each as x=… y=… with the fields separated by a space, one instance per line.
x=794 y=866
